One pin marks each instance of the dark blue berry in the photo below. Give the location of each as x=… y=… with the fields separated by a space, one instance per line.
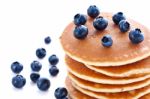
x=80 y=19
x=61 y=93
x=18 y=81
x=80 y=32
x=40 y=53
x=34 y=77
x=100 y=23
x=36 y=66
x=53 y=59
x=107 y=41
x=43 y=84
x=118 y=17
x=47 y=40
x=53 y=71
x=136 y=36
x=93 y=11
x=16 y=67
x=124 y=26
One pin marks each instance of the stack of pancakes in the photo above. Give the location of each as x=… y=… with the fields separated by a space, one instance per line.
x=96 y=72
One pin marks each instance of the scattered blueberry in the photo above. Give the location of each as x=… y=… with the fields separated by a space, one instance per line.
x=47 y=40
x=18 y=81
x=107 y=41
x=100 y=23
x=80 y=32
x=53 y=59
x=53 y=71
x=16 y=67
x=43 y=84
x=93 y=11
x=136 y=36
x=34 y=77
x=61 y=93
x=80 y=19
x=40 y=53
x=124 y=26
x=118 y=17
x=36 y=66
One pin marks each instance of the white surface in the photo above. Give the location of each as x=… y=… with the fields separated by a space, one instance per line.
x=25 y=23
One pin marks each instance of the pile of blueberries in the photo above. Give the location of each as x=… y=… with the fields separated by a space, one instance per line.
x=100 y=23
x=42 y=83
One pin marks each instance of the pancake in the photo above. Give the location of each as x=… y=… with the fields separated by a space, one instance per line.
x=135 y=94
x=90 y=50
x=81 y=71
x=78 y=93
x=147 y=96
x=139 y=67
x=96 y=87
x=73 y=93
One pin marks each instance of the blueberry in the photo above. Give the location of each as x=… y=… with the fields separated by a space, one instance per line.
x=40 y=53
x=53 y=71
x=18 y=81
x=47 y=40
x=43 y=84
x=34 y=77
x=36 y=66
x=118 y=17
x=124 y=26
x=136 y=36
x=93 y=11
x=107 y=41
x=53 y=59
x=61 y=93
x=16 y=67
x=80 y=32
x=100 y=23
x=80 y=19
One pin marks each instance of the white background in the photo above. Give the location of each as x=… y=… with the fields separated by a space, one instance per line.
x=25 y=23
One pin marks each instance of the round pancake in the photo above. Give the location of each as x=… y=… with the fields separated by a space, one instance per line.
x=79 y=93
x=147 y=96
x=73 y=93
x=81 y=71
x=90 y=50
x=139 y=67
x=96 y=87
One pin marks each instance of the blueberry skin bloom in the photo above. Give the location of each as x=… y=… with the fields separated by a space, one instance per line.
x=53 y=59
x=61 y=93
x=107 y=41
x=53 y=71
x=34 y=77
x=118 y=17
x=40 y=53
x=93 y=11
x=80 y=19
x=16 y=67
x=18 y=81
x=43 y=84
x=124 y=26
x=47 y=40
x=100 y=23
x=80 y=32
x=136 y=36
x=36 y=66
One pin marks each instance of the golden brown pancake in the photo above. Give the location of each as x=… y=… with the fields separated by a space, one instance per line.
x=90 y=50
x=97 y=87
x=73 y=93
x=81 y=71
x=139 y=67
x=78 y=93
x=147 y=96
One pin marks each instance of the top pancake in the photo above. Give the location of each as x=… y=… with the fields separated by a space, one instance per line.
x=90 y=50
